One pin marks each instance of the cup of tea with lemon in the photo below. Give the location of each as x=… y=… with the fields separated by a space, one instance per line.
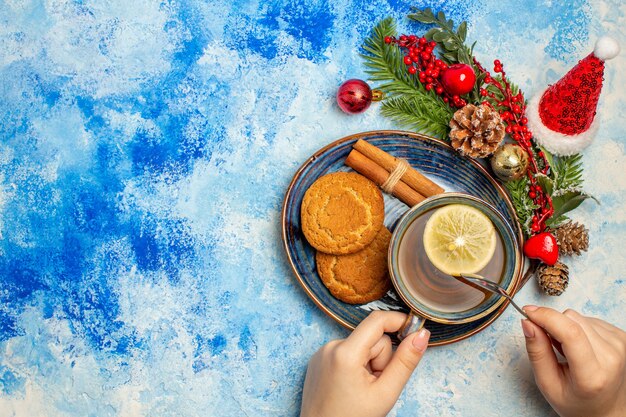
x=447 y=235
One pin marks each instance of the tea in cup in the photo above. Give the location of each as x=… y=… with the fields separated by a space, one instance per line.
x=425 y=281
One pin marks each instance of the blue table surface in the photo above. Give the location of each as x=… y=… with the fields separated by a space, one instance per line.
x=145 y=151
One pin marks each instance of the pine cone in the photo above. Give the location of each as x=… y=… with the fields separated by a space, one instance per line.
x=476 y=130
x=553 y=280
x=572 y=238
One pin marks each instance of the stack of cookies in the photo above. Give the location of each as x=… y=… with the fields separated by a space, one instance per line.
x=342 y=218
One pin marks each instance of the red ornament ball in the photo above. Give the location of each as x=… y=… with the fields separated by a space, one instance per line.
x=458 y=79
x=354 y=96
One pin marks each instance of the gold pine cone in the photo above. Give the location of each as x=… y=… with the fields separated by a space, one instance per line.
x=553 y=280
x=572 y=238
x=477 y=131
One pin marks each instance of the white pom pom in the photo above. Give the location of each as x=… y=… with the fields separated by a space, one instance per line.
x=606 y=48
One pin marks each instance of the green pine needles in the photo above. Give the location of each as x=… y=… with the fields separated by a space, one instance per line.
x=563 y=185
x=524 y=205
x=406 y=100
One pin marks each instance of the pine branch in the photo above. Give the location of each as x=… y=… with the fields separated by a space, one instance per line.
x=417 y=112
x=524 y=205
x=406 y=101
x=384 y=62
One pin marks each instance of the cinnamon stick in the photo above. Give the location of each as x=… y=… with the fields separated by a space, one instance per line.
x=411 y=177
x=370 y=169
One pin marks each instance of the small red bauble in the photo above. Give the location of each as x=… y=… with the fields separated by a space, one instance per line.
x=355 y=96
x=458 y=79
x=542 y=246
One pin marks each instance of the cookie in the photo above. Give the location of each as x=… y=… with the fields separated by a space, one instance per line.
x=341 y=213
x=359 y=277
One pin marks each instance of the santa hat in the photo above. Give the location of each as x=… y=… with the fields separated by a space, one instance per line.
x=562 y=116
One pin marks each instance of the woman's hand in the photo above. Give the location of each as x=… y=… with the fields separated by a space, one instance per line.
x=361 y=375
x=592 y=383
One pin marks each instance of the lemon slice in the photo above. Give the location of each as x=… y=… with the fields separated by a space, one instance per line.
x=459 y=239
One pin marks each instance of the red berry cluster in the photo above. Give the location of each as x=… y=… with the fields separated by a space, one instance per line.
x=512 y=109
x=421 y=61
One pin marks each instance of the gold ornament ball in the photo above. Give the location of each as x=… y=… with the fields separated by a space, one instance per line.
x=509 y=162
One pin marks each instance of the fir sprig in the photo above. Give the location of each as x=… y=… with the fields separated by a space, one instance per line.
x=416 y=112
x=384 y=62
x=407 y=101
x=524 y=205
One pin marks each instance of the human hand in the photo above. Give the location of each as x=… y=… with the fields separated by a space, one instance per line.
x=361 y=375
x=592 y=383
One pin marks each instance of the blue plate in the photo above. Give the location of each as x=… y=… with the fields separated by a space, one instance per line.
x=431 y=157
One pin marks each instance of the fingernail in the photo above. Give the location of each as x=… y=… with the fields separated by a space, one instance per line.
x=530 y=308
x=420 y=341
x=528 y=329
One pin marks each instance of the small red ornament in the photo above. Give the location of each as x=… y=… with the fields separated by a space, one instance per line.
x=542 y=246
x=458 y=79
x=355 y=96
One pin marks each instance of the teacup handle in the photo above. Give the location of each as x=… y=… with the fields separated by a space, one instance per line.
x=412 y=324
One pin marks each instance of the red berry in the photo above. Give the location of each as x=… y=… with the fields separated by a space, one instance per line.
x=412 y=70
x=532 y=195
x=497 y=63
x=425 y=55
x=432 y=44
x=387 y=39
x=508 y=129
x=421 y=41
x=439 y=90
x=412 y=38
x=408 y=60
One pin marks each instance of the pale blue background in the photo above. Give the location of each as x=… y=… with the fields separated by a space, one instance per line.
x=145 y=150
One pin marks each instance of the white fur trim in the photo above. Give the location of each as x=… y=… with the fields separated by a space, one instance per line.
x=606 y=48
x=555 y=142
